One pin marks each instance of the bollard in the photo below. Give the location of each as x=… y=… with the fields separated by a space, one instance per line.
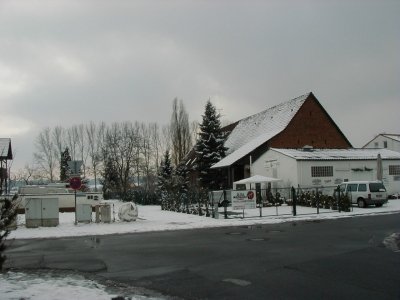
x=225 y=206
x=294 y=201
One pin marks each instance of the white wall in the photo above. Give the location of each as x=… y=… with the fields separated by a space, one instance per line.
x=391 y=144
x=295 y=173
x=342 y=170
x=276 y=165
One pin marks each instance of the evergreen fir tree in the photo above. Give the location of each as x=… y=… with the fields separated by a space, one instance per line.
x=64 y=168
x=182 y=187
x=110 y=178
x=8 y=213
x=165 y=182
x=209 y=148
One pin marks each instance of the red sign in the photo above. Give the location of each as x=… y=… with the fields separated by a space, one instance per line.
x=250 y=195
x=75 y=183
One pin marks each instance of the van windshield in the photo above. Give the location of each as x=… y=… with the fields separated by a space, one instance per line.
x=376 y=187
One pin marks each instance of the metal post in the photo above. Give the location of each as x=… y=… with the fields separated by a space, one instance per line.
x=317 y=200
x=76 y=222
x=225 y=206
x=212 y=203
x=294 y=201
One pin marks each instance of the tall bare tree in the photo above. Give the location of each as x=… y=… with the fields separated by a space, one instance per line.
x=121 y=148
x=59 y=139
x=46 y=154
x=148 y=149
x=82 y=146
x=180 y=132
x=94 y=138
x=71 y=139
x=156 y=143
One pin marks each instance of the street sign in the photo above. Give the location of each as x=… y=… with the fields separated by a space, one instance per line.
x=243 y=199
x=75 y=183
x=75 y=167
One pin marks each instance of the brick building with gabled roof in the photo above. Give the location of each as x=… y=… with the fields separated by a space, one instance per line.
x=292 y=124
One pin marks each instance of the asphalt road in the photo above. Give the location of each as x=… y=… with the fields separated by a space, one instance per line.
x=332 y=259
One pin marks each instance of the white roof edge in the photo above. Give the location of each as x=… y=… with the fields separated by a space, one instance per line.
x=340 y=154
x=244 y=150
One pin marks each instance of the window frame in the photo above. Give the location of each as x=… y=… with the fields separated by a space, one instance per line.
x=394 y=169
x=321 y=171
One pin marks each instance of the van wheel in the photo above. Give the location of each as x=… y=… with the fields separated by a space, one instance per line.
x=361 y=203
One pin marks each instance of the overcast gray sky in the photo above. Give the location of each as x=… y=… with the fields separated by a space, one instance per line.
x=70 y=62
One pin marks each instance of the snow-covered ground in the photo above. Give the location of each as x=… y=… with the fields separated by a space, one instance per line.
x=152 y=218
x=52 y=285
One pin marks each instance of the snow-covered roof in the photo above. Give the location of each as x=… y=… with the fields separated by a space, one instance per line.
x=257 y=179
x=395 y=137
x=244 y=150
x=338 y=154
x=255 y=130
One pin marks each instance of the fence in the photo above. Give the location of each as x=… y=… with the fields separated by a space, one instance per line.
x=286 y=201
x=267 y=202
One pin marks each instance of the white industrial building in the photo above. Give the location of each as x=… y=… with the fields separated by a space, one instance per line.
x=310 y=167
x=387 y=141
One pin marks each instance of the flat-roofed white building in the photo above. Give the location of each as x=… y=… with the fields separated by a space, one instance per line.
x=310 y=167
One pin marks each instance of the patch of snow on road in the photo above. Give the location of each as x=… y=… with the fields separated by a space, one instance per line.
x=53 y=286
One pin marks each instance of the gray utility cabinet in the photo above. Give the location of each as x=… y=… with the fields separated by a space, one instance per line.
x=84 y=213
x=103 y=213
x=41 y=212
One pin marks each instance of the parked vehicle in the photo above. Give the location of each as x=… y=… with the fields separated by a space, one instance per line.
x=364 y=193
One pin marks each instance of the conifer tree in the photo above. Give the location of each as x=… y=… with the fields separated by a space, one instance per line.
x=110 y=180
x=8 y=213
x=64 y=168
x=209 y=148
x=182 y=187
x=165 y=182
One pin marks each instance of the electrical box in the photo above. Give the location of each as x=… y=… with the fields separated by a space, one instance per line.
x=84 y=213
x=105 y=212
x=41 y=212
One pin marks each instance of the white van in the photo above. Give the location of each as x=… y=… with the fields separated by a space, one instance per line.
x=364 y=193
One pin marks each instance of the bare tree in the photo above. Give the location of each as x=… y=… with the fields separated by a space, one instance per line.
x=121 y=147
x=165 y=139
x=148 y=149
x=156 y=144
x=46 y=154
x=59 y=139
x=180 y=132
x=72 y=141
x=194 y=131
x=28 y=173
x=94 y=137
x=82 y=146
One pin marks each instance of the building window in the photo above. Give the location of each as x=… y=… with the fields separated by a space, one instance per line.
x=384 y=144
x=394 y=169
x=322 y=171
x=376 y=145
